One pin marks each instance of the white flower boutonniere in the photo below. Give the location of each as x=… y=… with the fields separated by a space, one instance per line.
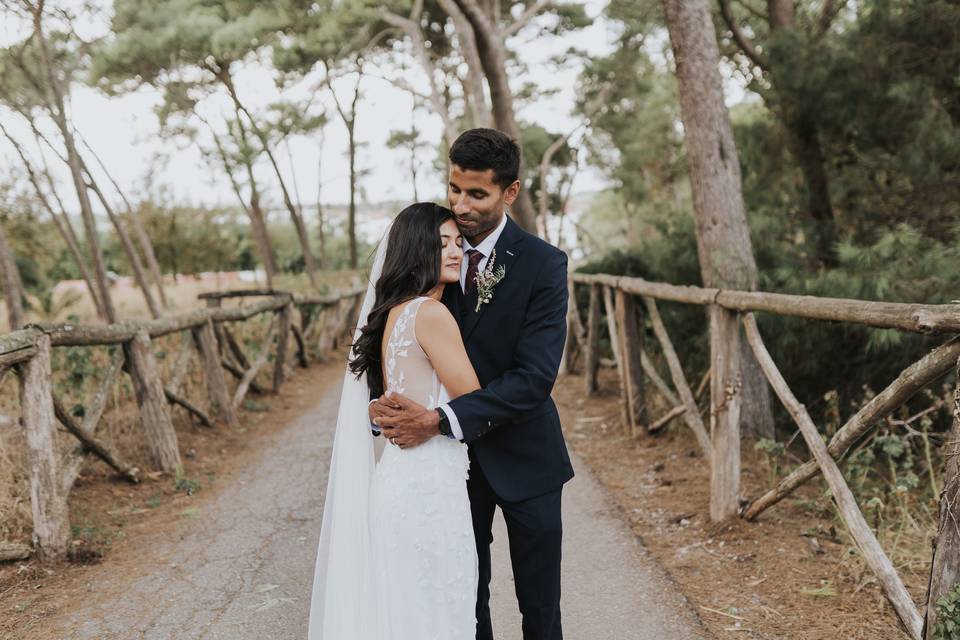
x=487 y=279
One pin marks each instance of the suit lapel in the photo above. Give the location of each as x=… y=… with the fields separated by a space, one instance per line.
x=508 y=250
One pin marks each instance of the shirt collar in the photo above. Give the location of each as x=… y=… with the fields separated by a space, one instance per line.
x=486 y=247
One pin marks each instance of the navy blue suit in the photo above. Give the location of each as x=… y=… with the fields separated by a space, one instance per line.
x=518 y=458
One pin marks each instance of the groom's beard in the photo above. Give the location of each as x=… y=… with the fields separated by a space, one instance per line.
x=477 y=226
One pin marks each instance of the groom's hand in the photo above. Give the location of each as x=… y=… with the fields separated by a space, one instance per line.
x=382 y=407
x=404 y=422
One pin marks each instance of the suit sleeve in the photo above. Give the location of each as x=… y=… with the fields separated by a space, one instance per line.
x=529 y=381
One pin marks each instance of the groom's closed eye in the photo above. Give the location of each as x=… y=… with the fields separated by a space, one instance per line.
x=477 y=194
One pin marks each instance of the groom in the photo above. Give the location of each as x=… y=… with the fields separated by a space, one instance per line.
x=518 y=459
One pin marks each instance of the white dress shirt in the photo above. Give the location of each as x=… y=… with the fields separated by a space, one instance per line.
x=486 y=248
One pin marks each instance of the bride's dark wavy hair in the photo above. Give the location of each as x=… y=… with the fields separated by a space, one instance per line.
x=411 y=268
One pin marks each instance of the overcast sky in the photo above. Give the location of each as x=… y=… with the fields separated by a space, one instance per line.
x=125 y=132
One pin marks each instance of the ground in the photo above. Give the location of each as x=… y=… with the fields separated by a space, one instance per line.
x=231 y=545
x=791 y=575
x=235 y=559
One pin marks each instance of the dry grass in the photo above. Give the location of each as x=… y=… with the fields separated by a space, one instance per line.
x=78 y=372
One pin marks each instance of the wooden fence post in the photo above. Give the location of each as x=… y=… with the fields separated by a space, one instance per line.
x=250 y=374
x=725 y=403
x=154 y=417
x=630 y=340
x=335 y=323
x=593 y=340
x=283 y=336
x=570 y=346
x=301 y=354
x=945 y=566
x=692 y=413
x=319 y=327
x=915 y=377
x=348 y=320
x=51 y=527
x=218 y=330
x=860 y=531
x=213 y=373
x=609 y=310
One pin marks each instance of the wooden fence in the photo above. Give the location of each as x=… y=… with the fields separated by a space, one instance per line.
x=719 y=438
x=324 y=321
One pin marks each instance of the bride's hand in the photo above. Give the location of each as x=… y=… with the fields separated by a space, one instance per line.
x=406 y=423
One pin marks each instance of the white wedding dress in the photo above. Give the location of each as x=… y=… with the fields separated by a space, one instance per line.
x=424 y=556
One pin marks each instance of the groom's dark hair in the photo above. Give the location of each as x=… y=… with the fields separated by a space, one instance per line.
x=483 y=149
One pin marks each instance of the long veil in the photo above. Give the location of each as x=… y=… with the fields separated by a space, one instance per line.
x=342 y=600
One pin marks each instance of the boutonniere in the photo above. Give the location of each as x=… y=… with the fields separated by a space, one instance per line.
x=487 y=279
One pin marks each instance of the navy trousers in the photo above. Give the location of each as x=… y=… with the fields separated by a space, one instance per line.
x=534 y=532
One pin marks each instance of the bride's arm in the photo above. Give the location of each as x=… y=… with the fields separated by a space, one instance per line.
x=439 y=336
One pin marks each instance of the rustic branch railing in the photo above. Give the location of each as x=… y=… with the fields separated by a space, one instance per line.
x=916 y=318
x=324 y=319
x=721 y=446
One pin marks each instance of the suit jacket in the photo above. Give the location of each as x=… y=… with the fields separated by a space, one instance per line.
x=515 y=342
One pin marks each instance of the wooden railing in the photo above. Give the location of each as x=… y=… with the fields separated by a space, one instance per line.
x=720 y=443
x=324 y=321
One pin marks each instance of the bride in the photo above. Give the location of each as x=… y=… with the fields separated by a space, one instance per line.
x=397 y=559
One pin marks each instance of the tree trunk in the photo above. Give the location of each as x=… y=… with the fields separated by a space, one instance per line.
x=723 y=237
x=805 y=144
x=805 y=141
x=478 y=108
x=63 y=226
x=141 y=233
x=493 y=56
x=57 y=109
x=254 y=212
x=350 y=122
x=945 y=566
x=310 y=265
x=51 y=526
x=782 y=14
x=128 y=248
x=352 y=210
x=413 y=163
x=411 y=26
x=90 y=226
x=12 y=284
x=321 y=232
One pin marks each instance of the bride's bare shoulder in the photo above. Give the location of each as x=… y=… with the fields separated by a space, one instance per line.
x=433 y=314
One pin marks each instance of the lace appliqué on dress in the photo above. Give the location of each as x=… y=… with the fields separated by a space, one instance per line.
x=421 y=512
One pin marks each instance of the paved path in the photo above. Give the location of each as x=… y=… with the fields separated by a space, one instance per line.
x=242 y=567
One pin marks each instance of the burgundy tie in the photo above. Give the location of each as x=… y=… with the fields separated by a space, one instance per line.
x=473 y=257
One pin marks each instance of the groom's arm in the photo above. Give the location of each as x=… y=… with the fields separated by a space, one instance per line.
x=536 y=361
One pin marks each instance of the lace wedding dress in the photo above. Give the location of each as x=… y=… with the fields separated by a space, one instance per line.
x=424 y=557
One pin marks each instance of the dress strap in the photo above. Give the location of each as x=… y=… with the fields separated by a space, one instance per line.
x=415 y=304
